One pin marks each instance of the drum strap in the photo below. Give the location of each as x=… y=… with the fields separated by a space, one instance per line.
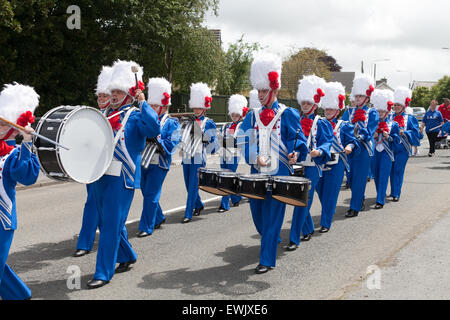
x=123 y=123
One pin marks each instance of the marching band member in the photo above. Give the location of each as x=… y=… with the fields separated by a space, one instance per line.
x=17 y=165
x=409 y=136
x=115 y=190
x=347 y=172
x=152 y=178
x=254 y=102
x=90 y=214
x=237 y=110
x=268 y=136
x=319 y=133
x=365 y=120
x=200 y=102
x=344 y=144
x=387 y=132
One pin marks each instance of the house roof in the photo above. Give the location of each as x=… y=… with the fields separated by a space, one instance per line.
x=346 y=78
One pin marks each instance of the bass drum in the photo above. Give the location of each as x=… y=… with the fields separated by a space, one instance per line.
x=88 y=135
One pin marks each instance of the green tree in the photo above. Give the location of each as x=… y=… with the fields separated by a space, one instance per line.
x=238 y=59
x=306 y=61
x=441 y=90
x=421 y=97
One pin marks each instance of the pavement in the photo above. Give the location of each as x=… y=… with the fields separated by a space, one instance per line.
x=395 y=253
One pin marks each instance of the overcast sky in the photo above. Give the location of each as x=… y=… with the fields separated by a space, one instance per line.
x=411 y=34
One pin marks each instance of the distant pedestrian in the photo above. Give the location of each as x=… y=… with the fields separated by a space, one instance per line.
x=445 y=109
x=432 y=120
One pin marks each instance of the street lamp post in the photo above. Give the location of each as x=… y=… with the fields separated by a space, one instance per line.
x=410 y=77
x=374 y=63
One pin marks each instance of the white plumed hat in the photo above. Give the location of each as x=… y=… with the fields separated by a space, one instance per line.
x=159 y=91
x=363 y=85
x=334 y=96
x=200 y=96
x=382 y=99
x=254 y=100
x=237 y=104
x=103 y=81
x=402 y=95
x=16 y=99
x=265 y=72
x=122 y=77
x=310 y=89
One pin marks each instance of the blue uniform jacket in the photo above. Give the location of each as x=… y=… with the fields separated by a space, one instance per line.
x=411 y=133
x=22 y=166
x=367 y=129
x=324 y=140
x=170 y=138
x=141 y=124
x=290 y=125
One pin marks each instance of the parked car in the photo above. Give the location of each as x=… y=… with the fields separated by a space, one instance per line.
x=419 y=112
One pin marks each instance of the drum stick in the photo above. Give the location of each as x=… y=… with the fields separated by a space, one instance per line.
x=118 y=113
x=438 y=127
x=16 y=126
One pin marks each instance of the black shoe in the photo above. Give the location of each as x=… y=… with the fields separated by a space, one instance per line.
x=351 y=213
x=198 y=211
x=186 y=220
x=143 y=234
x=94 y=284
x=324 y=230
x=159 y=224
x=124 y=266
x=222 y=210
x=379 y=206
x=307 y=237
x=368 y=179
x=347 y=186
x=291 y=247
x=430 y=155
x=395 y=199
x=236 y=204
x=260 y=269
x=80 y=253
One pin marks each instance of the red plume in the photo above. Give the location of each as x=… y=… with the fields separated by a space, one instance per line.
x=25 y=119
x=341 y=101
x=319 y=95
x=408 y=100
x=390 y=104
x=133 y=89
x=273 y=78
x=369 y=92
x=166 y=99
x=244 y=112
x=208 y=101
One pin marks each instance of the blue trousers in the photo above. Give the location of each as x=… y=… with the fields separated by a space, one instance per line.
x=302 y=221
x=226 y=199
x=382 y=171
x=328 y=189
x=359 y=171
x=113 y=202
x=90 y=222
x=11 y=286
x=152 y=180
x=398 y=172
x=268 y=216
x=190 y=172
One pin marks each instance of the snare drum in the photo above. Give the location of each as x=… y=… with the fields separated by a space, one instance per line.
x=299 y=171
x=207 y=181
x=88 y=135
x=291 y=190
x=228 y=182
x=254 y=186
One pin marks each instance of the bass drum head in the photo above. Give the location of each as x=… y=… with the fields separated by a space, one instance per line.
x=89 y=136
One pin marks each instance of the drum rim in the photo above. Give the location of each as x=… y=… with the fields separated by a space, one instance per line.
x=246 y=177
x=38 y=128
x=279 y=179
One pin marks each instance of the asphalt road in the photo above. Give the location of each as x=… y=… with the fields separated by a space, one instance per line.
x=214 y=256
